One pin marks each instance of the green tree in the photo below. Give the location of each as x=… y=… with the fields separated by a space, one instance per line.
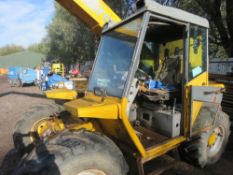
x=220 y=15
x=41 y=47
x=9 y=49
x=68 y=39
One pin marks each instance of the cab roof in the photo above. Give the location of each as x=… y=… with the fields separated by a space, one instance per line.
x=175 y=13
x=164 y=11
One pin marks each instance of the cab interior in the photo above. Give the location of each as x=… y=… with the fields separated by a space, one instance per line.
x=156 y=111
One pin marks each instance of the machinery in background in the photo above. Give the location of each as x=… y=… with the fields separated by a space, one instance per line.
x=55 y=81
x=27 y=76
x=13 y=75
x=58 y=68
x=19 y=76
x=95 y=15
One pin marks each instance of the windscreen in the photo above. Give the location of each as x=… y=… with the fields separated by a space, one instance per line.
x=114 y=58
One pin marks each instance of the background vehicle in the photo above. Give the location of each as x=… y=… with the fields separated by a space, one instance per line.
x=95 y=16
x=58 y=68
x=27 y=76
x=13 y=73
x=18 y=76
x=124 y=111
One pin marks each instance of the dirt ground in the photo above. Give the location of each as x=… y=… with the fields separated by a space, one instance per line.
x=15 y=101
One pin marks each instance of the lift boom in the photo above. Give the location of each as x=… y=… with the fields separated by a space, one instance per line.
x=93 y=13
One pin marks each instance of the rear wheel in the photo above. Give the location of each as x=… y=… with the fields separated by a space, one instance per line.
x=207 y=147
x=18 y=83
x=75 y=153
x=35 y=125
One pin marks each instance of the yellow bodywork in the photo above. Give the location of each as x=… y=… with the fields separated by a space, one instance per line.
x=201 y=80
x=61 y=94
x=114 y=110
x=110 y=113
x=44 y=126
x=93 y=107
x=93 y=13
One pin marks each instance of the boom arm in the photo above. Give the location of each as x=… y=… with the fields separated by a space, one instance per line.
x=93 y=13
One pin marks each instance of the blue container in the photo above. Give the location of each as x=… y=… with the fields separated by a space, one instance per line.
x=156 y=84
x=27 y=76
x=55 y=79
x=46 y=70
x=13 y=72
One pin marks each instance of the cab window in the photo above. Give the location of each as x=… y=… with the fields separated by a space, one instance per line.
x=197 y=51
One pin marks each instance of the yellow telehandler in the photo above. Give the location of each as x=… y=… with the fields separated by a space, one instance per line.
x=148 y=94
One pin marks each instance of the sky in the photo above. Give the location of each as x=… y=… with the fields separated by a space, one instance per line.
x=23 y=22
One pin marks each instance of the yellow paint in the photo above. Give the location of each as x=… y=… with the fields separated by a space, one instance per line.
x=171 y=46
x=130 y=129
x=164 y=148
x=200 y=80
x=195 y=57
x=87 y=126
x=58 y=68
x=216 y=84
x=150 y=153
x=54 y=125
x=62 y=94
x=112 y=115
x=196 y=109
x=94 y=107
x=93 y=13
x=212 y=139
x=115 y=128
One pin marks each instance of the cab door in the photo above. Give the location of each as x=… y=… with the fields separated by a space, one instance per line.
x=196 y=74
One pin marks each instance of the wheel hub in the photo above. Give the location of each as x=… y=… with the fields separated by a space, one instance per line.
x=212 y=139
x=45 y=127
x=215 y=141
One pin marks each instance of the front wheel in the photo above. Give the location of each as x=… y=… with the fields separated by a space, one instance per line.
x=35 y=125
x=207 y=147
x=18 y=83
x=75 y=153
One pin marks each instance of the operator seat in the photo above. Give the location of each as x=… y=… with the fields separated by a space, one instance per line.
x=171 y=73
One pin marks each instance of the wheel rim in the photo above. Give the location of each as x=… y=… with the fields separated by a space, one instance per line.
x=44 y=128
x=92 y=172
x=215 y=141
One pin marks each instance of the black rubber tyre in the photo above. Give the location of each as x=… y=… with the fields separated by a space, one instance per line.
x=71 y=153
x=197 y=150
x=21 y=136
x=18 y=83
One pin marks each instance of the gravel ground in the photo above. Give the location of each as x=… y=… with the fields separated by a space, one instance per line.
x=15 y=101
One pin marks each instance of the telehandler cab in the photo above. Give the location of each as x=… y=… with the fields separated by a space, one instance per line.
x=148 y=94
